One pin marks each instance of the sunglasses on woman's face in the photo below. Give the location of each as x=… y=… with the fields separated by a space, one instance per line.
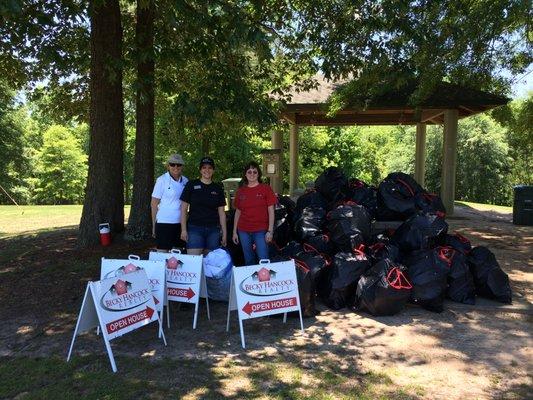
x=170 y=164
x=252 y=172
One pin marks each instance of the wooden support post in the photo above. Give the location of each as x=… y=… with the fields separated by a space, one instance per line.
x=277 y=143
x=449 y=160
x=293 y=159
x=420 y=154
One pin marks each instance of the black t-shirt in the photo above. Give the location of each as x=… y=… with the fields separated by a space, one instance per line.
x=204 y=201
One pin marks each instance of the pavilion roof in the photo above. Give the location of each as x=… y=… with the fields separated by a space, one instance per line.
x=310 y=107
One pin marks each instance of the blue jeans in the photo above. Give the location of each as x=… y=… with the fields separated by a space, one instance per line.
x=203 y=237
x=247 y=239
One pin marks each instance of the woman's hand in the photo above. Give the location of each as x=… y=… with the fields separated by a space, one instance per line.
x=235 y=238
x=184 y=236
x=224 y=240
x=268 y=237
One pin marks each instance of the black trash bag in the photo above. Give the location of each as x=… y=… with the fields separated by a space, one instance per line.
x=429 y=203
x=380 y=250
x=282 y=225
x=306 y=289
x=396 y=197
x=461 y=286
x=458 y=242
x=419 y=232
x=287 y=202
x=310 y=198
x=319 y=264
x=346 y=269
x=273 y=250
x=382 y=237
x=291 y=249
x=310 y=222
x=429 y=275
x=331 y=183
x=321 y=243
x=235 y=250
x=489 y=278
x=363 y=194
x=384 y=289
x=356 y=214
x=344 y=236
x=348 y=226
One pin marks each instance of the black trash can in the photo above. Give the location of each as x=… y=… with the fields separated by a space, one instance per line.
x=523 y=205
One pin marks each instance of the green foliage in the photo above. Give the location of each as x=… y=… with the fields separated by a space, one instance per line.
x=517 y=118
x=484 y=168
x=61 y=168
x=349 y=148
x=386 y=44
x=13 y=155
x=483 y=162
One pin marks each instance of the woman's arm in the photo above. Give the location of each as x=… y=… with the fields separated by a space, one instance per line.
x=222 y=218
x=270 y=232
x=235 y=237
x=183 y=218
x=154 y=204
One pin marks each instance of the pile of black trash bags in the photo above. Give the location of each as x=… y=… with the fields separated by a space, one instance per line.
x=328 y=233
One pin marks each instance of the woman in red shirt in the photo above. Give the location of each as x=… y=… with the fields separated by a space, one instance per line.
x=254 y=214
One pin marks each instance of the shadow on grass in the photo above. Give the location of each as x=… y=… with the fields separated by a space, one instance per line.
x=248 y=377
x=24 y=235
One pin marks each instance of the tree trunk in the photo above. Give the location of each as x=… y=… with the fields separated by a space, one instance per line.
x=104 y=195
x=140 y=220
x=205 y=143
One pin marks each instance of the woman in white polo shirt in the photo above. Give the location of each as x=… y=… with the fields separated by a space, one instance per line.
x=166 y=205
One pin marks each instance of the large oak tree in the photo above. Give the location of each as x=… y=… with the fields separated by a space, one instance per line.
x=104 y=197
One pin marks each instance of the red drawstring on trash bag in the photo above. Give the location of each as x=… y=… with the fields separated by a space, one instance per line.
x=446 y=254
x=400 y=281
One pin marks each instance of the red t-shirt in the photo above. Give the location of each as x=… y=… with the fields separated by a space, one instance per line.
x=253 y=203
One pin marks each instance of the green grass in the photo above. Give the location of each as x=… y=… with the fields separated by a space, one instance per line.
x=26 y=219
x=90 y=377
x=485 y=207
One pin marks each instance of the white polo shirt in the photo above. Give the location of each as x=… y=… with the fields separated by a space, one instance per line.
x=168 y=191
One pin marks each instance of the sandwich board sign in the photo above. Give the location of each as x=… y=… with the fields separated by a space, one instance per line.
x=185 y=280
x=155 y=270
x=264 y=289
x=117 y=305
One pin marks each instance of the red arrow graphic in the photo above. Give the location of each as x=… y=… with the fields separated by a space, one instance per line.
x=269 y=305
x=128 y=320
x=178 y=292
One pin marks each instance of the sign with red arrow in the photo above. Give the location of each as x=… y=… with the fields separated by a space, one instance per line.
x=264 y=289
x=117 y=305
x=181 y=292
x=184 y=279
x=183 y=274
x=121 y=268
x=124 y=307
x=264 y=306
x=140 y=317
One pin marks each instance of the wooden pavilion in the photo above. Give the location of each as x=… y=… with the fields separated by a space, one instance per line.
x=445 y=106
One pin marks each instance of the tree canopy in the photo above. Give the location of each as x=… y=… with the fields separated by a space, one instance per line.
x=218 y=70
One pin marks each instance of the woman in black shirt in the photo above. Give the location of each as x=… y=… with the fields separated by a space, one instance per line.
x=205 y=227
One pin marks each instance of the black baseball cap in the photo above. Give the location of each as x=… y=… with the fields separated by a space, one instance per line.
x=207 y=160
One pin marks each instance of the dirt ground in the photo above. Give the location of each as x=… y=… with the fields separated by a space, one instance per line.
x=465 y=352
